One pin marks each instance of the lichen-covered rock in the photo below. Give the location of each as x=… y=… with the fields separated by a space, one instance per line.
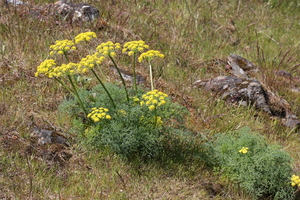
x=75 y=12
x=240 y=65
x=46 y=137
x=247 y=91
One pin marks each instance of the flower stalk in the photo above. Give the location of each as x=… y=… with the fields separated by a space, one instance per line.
x=107 y=92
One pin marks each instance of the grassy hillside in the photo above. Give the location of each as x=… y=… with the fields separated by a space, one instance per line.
x=196 y=37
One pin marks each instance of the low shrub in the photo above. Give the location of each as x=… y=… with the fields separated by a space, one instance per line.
x=262 y=170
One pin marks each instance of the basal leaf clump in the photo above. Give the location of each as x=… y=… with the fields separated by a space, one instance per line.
x=262 y=170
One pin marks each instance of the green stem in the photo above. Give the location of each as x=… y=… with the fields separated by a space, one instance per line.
x=77 y=95
x=151 y=76
x=64 y=85
x=97 y=77
x=155 y=117
x=66 y=56
x=119 y=72
x=134 y=74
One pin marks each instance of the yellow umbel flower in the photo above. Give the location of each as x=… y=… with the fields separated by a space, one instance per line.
x=153 y=99
x=159 y=121
x=98 y=114
x=134 y=46
x=87 y=36
x=45 y=67
x=108 y=48
x=64 y=69
x=149 y=55
x=62 y=47
x=244 y=150
x=295 y=181
x=89 y=62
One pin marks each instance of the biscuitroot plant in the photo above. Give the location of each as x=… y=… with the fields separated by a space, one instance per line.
x=129 y=125
x=262 y=170
x=67 y=72
x=149 y=56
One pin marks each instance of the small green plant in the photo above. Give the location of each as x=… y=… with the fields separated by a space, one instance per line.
x=131 y=129
x=260 y=169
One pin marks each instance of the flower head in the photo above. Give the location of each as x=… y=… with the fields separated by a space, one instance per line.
x=295 y=181
x=89 y=62
x=134 y=46
x=45 y=67
x=159 y=121
x=153 y=99
x=64 y=69
x=62 y=47
x=98 y=114
x=149 y=55
x=108 y=48
x=244 y=150
x=87 y=36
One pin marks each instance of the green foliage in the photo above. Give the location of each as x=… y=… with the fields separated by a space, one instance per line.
x=262 y=170
x=133 y=130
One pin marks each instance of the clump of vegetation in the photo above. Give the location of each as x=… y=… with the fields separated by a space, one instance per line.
x=194 y=38
x=129 y=125
x=262 y=170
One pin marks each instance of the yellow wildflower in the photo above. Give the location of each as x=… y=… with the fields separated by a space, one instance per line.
x=153 y=99
x=149 y=55
x=87 y=36
x=295 y=180
x=108 y=48
x=98 y=114
x=45 y=67
x=62 y=47
x=244 y=150
x=134 y=46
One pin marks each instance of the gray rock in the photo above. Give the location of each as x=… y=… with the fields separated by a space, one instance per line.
x=46 y=137
x=240 y=65
x=76 y=12
x=292 y=121
x=235 y=90
x=247 y=91
x=14 y=2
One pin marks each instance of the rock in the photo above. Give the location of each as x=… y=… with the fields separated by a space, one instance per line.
x=240 y=65
x=292 y=121
x=284 y=74
x=47 y=137
x=128 y=76
x=235 y=90
x=247 y=91
x=14 y=2
x=75 y=12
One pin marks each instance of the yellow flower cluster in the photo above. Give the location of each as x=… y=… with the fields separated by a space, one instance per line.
x=159 y=121
x=153 y=99
x=99 y=113
x=45 y=67
x=49 y=68
x=134 y=46
x=149 y=55
x=61 y=47
x=244 y=150
x=89 y=62
x=64 y=69
x=87 y=36
x=295 y=180
x=108 y=48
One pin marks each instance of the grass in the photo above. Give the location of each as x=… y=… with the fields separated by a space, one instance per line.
x=193 y=35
